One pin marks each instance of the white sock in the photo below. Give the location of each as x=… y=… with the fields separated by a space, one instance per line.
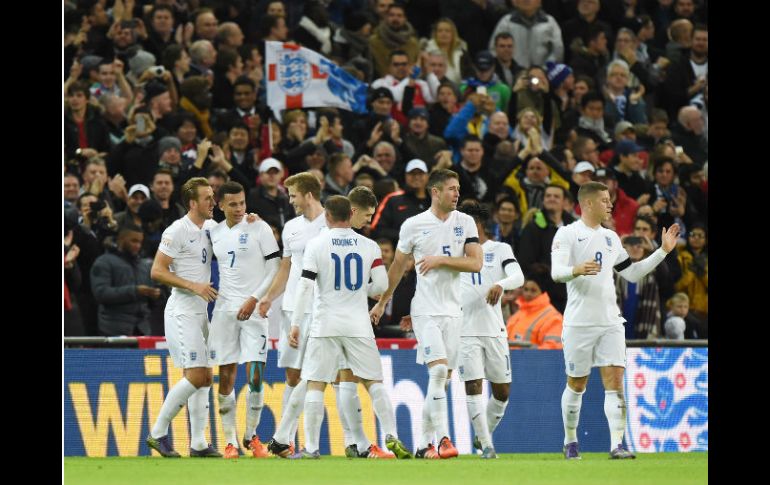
x=495 y=412
x=254 y=404
x=348 y=439
x=314 y=416
x=428 y=433
x=227 y=415
x=351 y=407
x=615 y=410
x=285 y=399
x=478 y=419
x=198 y=406
x=383 y=408
x=287 y=429
x=570 y=413
x=175 y=400
x=435 y=399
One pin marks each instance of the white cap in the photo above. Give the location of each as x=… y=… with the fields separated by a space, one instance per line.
x=269 y=163
x=139 y=188
x=416 y=164
x=584 y=167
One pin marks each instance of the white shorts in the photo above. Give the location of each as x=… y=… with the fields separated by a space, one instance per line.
x=485 y=357
x=323 y=358
x=288 y=356
x=438 y=337
x=233 y=341
x=586 y=347
x=186 y=335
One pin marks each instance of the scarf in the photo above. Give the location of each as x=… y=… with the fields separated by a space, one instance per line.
x=201 y=116
x=394 y=39
x=322 y=35
x=595 y=126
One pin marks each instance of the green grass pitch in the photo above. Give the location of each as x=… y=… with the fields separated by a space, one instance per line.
x=518 y=469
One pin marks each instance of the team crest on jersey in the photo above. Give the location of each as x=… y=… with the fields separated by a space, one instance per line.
x=489 y=257
x=213 y=354
x=243 y=238
x=609 y=241
x=572 y=366
x=458 y=231
x=462 y=370
x=193 y=355
x=427 y=350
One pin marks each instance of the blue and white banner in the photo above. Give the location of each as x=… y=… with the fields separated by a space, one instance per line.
x=667 y=395
x=112 y=397
x=300 y=78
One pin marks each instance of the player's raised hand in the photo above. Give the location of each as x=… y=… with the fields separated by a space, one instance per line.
x=668 y=238
x=264 y=307
x=588 y=268
x=428 y=263
x=245 y=311
x=494 y=294
x=251 y=218
x=294 y=336
x=205 y=291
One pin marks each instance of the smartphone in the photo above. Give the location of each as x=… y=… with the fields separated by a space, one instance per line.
x=141 y=124
x=481 y=90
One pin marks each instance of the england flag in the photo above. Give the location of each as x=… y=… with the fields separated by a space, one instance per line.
x=300 y=78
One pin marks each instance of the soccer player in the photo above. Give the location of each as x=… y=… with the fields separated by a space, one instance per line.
x=583 y=255
x=247 y=255
x=339 y=263
x=305 y=196
x=484 y=348
x=444 y=242
x=183 y=261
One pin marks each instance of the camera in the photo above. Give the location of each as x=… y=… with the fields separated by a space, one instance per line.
x=141 y=124
x=97 y=206
x=534 y=81
x=157 y=71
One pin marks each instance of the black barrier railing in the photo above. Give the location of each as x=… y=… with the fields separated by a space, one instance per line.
x=668 y=343
x=120 y=342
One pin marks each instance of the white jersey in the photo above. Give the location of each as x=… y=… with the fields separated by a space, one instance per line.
x=591 y=299
x=342 y=261
x=296 y=234
x=438 y=291
x=190 y=247
x=241 y=251
x=479 y=317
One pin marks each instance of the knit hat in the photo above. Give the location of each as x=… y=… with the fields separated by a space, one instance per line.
x=154 y=88
x=557 y=73
x=168 y=142
x=675 y=327
x=141 y=61
x=90 y=62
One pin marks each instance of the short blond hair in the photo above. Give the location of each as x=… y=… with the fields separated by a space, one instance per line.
x=677 y=298
x=306 y=183
x=190 y=190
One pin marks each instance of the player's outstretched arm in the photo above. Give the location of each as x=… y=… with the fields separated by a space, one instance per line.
x=303 y=297
x=395 y=273
x=276 y=287
x=636 y=271
x=161 y=273
x=470 y=263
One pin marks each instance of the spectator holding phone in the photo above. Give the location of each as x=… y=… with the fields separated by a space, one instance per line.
x=622 y=103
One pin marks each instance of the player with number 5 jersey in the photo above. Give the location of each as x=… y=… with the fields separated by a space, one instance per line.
x=444 y=243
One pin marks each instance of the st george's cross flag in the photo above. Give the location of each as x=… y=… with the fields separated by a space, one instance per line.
x=300 y=78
